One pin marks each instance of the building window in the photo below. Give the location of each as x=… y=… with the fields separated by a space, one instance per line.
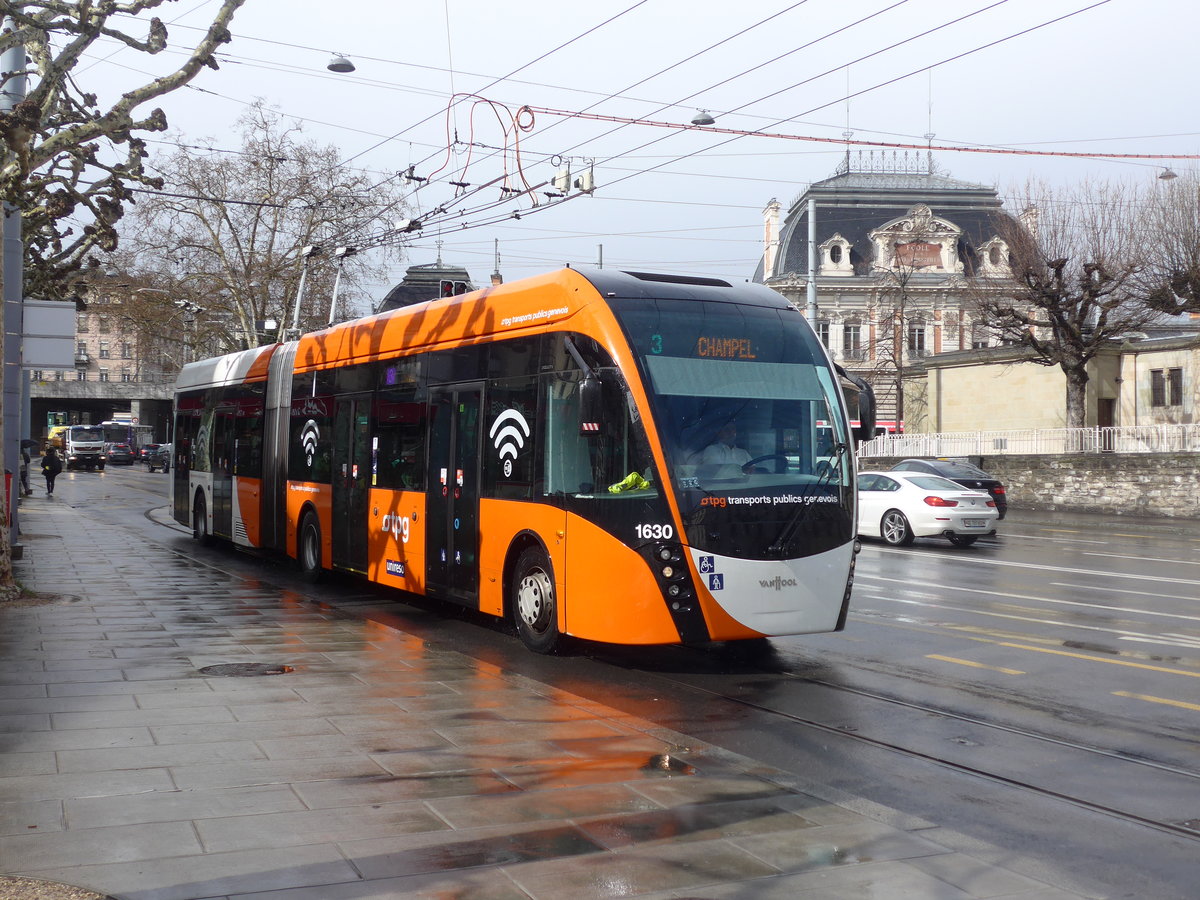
x=916 y=338
x=823 y=334
x=36 y=375
x=1166 y=387
x=104 y=326
x=126 y=376
x=852 y=340
x=979 y=337
x=1174 y=387
x=126 y=350
x=81 y=323
x=104 y=374
x=104 y=349
x=81 y=375
x=81 y=348
x=58 y=375
x=835 y=254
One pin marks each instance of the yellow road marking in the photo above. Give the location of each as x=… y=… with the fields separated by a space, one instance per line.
x=974 y=665
x=1113 y=662
x=966 y=634
x=1162 y=700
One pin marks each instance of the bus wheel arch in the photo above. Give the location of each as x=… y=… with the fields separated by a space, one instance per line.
x=308 y=545
x=531 y=596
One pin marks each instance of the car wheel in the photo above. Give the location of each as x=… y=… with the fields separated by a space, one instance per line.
x=534 y=602
x=308 y=548
x=963 y=540
x=895 y=529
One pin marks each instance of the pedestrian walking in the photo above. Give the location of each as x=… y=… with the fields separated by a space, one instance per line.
x=51 y=466
x=25 y=460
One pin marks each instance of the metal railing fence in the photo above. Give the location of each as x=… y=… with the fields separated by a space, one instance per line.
x=1049 y=441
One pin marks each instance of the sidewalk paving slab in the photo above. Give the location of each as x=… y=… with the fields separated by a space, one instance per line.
x=379 y=766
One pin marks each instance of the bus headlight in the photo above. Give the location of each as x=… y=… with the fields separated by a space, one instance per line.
x=668 y=571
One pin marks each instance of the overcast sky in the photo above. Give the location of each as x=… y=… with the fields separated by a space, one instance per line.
x=1115 y=77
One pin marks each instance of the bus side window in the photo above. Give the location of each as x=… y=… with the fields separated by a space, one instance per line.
x=567 y=460
x=400 y=429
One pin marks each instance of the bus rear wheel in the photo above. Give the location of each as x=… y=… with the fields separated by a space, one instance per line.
x=308 y=548
x=534 y=602
x=200 y=520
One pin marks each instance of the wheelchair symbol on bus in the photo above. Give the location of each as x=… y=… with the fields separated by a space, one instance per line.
x=707 y=565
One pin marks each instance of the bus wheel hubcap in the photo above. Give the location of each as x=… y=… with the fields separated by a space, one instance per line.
x=534 y=600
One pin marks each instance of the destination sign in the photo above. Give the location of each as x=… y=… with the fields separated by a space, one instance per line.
x=711 y=347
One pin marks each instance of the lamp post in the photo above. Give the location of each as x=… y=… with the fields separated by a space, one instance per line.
x=13 y=382
x=190 y=311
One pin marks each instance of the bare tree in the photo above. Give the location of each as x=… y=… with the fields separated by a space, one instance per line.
x=1075 y=285
x=909 y=250
x=65 y=159
x=1171 y=231
x=229 y=234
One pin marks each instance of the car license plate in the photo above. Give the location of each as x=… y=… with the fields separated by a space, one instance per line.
x=973 y=523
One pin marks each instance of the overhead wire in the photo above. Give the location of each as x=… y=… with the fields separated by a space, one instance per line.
x=955 y=57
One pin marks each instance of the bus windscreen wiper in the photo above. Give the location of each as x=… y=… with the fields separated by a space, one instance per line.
x=779 y=546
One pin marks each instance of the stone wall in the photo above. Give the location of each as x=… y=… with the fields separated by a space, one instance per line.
x=1117 y=484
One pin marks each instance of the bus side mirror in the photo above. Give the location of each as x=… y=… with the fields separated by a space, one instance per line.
x=866 y=406
x=591 y=406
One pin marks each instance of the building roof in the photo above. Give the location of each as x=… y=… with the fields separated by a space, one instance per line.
x=863 y=196
x=423 y=282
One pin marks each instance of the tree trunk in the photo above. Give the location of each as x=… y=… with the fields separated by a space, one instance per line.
x=7 y=583
x=1077 y=380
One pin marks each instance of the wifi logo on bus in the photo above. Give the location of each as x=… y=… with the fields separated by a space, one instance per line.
x=509 y=433
x=309 y=435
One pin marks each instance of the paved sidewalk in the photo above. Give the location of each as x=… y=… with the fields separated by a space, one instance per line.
x=374 y=766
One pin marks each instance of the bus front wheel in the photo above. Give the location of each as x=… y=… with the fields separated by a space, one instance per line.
x=534 y=602
x=308 y=548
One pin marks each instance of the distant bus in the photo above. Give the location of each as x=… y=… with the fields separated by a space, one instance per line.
x=121 y=432
x=535 y=450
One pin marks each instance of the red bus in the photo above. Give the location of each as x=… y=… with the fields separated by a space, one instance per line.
x=543 y=450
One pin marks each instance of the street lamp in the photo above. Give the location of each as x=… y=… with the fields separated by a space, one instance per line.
x=190 y=311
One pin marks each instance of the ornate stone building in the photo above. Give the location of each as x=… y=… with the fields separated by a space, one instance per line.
x=901 y=250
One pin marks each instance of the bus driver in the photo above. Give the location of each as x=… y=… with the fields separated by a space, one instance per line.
x=725 y=452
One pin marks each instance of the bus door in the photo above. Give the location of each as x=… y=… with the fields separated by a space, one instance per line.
x=351 y=480
x=452 y=513
x=224 y=436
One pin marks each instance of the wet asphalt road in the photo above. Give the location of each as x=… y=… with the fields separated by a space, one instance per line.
x=1037 y=692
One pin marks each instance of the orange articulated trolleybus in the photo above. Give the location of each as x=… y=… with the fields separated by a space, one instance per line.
x=556 y=450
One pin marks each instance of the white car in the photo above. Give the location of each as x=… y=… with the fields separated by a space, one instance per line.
x=901 y=506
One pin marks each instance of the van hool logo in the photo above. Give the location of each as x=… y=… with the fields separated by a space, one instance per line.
x=778 y=582
x=309 y=435
x=509 y=433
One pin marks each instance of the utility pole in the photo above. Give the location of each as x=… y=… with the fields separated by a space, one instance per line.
x=12 y=261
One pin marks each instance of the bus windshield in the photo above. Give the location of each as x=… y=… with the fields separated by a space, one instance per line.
x=750 y=416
